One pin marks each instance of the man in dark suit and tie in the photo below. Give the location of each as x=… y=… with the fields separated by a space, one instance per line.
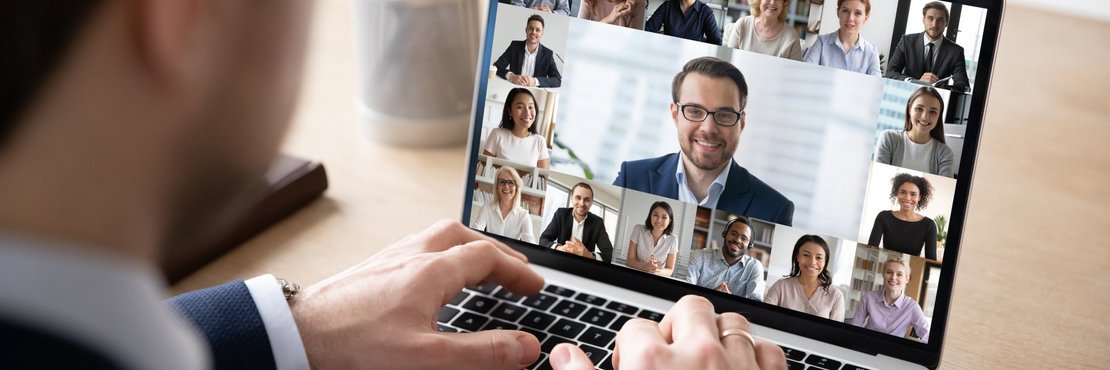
x=928 y=57
x=577 y=231
x=527 y=62
x=709 y=97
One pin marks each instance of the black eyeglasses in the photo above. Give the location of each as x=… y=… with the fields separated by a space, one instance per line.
x=723 y=117
x=509 y=183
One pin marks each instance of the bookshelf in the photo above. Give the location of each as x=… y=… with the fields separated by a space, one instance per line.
x=532 y=191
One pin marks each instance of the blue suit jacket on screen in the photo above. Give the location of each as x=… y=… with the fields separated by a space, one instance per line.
x=512 y=60
x=744 y=193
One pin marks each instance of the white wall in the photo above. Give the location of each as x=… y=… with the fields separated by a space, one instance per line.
x=511 y=21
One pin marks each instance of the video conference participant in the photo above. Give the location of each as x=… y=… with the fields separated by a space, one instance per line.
x=623 y=13
x=688 y=19
x=652 y=247
x=527 y=62
x=731 y=270
x=708 y=96
x=905 y=230
x=809 y=288
x=888 y=309
x=928 y=56
x=577 y=231
x=504 y=216
x=551 y=6
x=845 y=48
x=920 y=144
x=516 y=138
x=766 y=31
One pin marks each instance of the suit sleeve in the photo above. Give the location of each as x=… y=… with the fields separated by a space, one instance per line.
x=551 y=78
x=502 y=63
x=604 y=245
x=786 y=214
x=959 y=74
x=550 y=235
x=620 y=176
x=227 y=317
x=897 y=63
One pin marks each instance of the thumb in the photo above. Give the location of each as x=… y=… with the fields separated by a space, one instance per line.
x=487 y=349
x=568 y=357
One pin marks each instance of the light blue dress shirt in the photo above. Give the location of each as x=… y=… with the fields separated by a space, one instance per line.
x=715 y=190
x=829 y=52
x=744 y=278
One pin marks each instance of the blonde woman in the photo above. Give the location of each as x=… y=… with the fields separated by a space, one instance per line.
x=888 y=309
x=504 y=216
x=766 y=31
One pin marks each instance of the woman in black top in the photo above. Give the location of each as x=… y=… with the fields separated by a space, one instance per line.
x=905 y=230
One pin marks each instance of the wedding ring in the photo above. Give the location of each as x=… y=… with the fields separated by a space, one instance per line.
x=738 y=332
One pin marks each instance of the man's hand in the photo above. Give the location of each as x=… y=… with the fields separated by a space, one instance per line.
x=382 y=312
x=723 y=288
x=689 y=337
x=929 y=77
x=516 y=79
x=543 y=8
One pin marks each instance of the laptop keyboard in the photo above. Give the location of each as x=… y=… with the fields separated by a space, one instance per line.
x=561 y=315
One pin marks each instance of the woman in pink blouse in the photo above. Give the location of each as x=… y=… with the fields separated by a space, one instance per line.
x=809 y=288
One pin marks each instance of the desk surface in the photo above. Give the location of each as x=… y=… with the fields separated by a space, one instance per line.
x=1028 y=286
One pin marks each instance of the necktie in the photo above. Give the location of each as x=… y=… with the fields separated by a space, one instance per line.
x=929 y=58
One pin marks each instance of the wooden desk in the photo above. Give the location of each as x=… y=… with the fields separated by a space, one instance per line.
x=1030 y=292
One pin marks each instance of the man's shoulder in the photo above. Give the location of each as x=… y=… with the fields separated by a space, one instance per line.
x=953 y=45
x=648 y=163
x=762 y=190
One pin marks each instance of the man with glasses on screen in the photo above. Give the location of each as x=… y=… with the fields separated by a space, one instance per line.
x=709 y=96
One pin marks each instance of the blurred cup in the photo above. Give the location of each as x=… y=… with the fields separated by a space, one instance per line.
x=417 y=63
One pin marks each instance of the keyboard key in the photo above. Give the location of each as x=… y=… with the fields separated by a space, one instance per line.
x=852 y=367
x=552 y=342
x=480 y=304
x=567 y=328
x=793 y=354
x=622 y=308
x=540 y=336
x=619 y=322
x=559 y=290
x=499 y=325
x=598 y=317
x=537 y=320
x=445 y=329
x=539 y=360
x=822 y=362
x=446 y=314
x=459 y=298
x=569 y=309
x=507 y=295
x=595 y=354
x=795 y=365
x=540 y=301
x=486 y=288
x=598 y=337
x=591 y=299
x=651 y=315
x=508 y=312
x=607 y=364
x=469 y=321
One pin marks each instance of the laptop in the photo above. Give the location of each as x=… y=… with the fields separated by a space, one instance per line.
x=822 y=194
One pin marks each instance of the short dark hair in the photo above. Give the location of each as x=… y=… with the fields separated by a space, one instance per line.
x=536 y=17
x=37 y=35
x=825 y=277
x=738 y=220
x=506 y=118
x=584 y=185
x=923 y=187
x=670 y=214
x=714 y=68
x=938 y=6
x=937 y=133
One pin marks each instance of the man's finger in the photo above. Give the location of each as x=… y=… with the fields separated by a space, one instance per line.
x=482 y=261
x=769 y=355
x=692 y=319
x=637 y=335
x=566 y=356
x=445 y=234
x=487 y=349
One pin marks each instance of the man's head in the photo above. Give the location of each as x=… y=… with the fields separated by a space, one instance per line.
x=533 y=32
x=738 y=236
x=581 y=199
x=167 y=111
x=935 y=19
x=709 y=96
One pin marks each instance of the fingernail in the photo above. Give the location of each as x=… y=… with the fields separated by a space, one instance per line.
x=523 y=342
x=560 y=356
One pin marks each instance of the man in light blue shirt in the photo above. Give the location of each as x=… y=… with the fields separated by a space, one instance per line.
x=551 y=6
x=730 y=270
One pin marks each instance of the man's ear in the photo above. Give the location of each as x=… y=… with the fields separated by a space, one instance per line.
x=168 y=39
x=674 y=113
x=743 y=119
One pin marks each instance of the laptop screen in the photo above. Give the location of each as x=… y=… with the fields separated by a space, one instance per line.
x=810 y=157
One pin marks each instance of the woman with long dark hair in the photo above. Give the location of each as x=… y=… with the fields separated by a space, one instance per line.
x=652 y=247
x=920 y=144
x=516 y=139
x=809 y=288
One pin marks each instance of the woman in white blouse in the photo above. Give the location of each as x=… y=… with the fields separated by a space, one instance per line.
x=516 y=139
x=766 y=31
x=920 y=144
x=504 y=216
x=652 y=246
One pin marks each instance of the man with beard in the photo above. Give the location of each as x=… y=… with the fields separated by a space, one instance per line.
x=527 y=62
x=577 y=231
x=929 y=57
x=730 y=271
x=709 y=96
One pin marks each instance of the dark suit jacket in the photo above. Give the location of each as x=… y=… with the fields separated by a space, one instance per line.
x=908 y=61
x=512 y=60
x=594 y=235
x=744 y=193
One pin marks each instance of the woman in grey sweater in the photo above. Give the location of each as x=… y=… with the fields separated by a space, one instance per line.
x=920 y=144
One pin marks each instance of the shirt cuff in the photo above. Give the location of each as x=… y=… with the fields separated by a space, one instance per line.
x=285 y=339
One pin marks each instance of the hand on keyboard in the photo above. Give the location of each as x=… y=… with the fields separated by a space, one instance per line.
x=381 y=313
x=689 y=337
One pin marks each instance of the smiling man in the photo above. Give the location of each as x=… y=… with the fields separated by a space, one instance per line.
x=731 y=270
x=527 y=62
x=709 y=97
x=577 y=231
x=928 y=57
